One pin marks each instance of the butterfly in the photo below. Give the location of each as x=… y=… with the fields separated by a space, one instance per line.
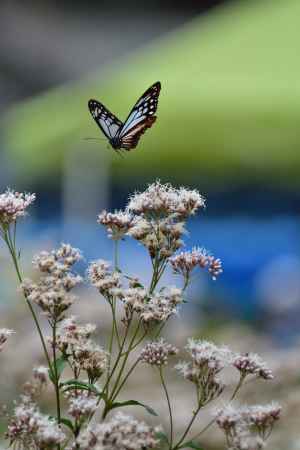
x=126 y=135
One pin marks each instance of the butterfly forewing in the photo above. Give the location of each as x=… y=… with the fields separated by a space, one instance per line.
x=144 y=108
x=108 y=122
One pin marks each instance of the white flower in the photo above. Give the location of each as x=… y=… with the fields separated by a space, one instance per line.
x=13 y=205
x=157 y=353
x=119 y=433
x=117 y=223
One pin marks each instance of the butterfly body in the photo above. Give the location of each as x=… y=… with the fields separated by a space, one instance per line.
x=125 y=136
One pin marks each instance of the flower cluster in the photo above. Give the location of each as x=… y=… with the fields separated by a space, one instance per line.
x=247 y=427
x=157 y=353
x=4 y=335
x=185 y=262
x=103 y=279
x=121 y=432
x=29 y=428
x=13 y=205
x=252 y=364
x=82 y=404
x=151 y=308
x=52 y=291
x=75 y=343
x=32 y=389
x=207 y=361
x=163 y=200
x=117 y=223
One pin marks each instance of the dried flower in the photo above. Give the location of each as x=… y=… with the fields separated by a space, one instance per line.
x=102 y=278
x=4 y=334
x=121 y=432
x=157 y=353
x=117 y=223
x=13 y=205
x=252 y=364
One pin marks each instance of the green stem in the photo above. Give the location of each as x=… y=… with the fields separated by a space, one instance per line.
x=116 y=254
x=169 y=406
x=177 y=446
x=118 y=379
x=125 y=379
x=12 y=251
x=212 y=421
x=56 y=376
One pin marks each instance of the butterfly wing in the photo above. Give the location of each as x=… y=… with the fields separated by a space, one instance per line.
x=140 y=117
x=108 y=122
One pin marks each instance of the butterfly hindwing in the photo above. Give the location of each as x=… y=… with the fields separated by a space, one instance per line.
x=108 y=122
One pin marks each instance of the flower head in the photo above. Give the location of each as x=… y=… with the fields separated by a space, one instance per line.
x=157 y=353
x=117 y=223
x=207 y=361
x=52 y=291
x=30 y=428
x=185 y=262
x=102 y=278
x=82 y=404
x=162 y=200
x=13 y=205
x=121 y=432
x=246 y=425
x=252 y=364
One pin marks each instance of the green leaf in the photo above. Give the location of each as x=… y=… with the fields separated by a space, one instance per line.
x=162 y=436
x=191 y=444
x=134 y=403
x=76 y=384
x=60 y=365
x=67 y=423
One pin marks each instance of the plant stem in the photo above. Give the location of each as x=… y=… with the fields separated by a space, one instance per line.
x=169 y=406
x=188 y=427
x=12 y=250
x=116 y=254
x=126 y=355
x=56 y=375
x=125 y=379
x=212 y=421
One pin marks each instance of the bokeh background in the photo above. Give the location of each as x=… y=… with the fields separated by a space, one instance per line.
x=228 y=125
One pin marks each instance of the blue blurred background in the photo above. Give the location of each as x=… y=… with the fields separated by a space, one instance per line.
x=228 y=125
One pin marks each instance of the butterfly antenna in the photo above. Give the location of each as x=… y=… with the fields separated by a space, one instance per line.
x=93 y=139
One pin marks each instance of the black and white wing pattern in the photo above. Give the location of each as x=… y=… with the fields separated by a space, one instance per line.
x=109 y=124
x=126 y=135
x=140 y=118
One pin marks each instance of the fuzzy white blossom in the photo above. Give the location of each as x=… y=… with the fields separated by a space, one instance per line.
x=119 y=433
x=13 y=205
x=157 y=353
x=163 y=199
x=117 y=223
